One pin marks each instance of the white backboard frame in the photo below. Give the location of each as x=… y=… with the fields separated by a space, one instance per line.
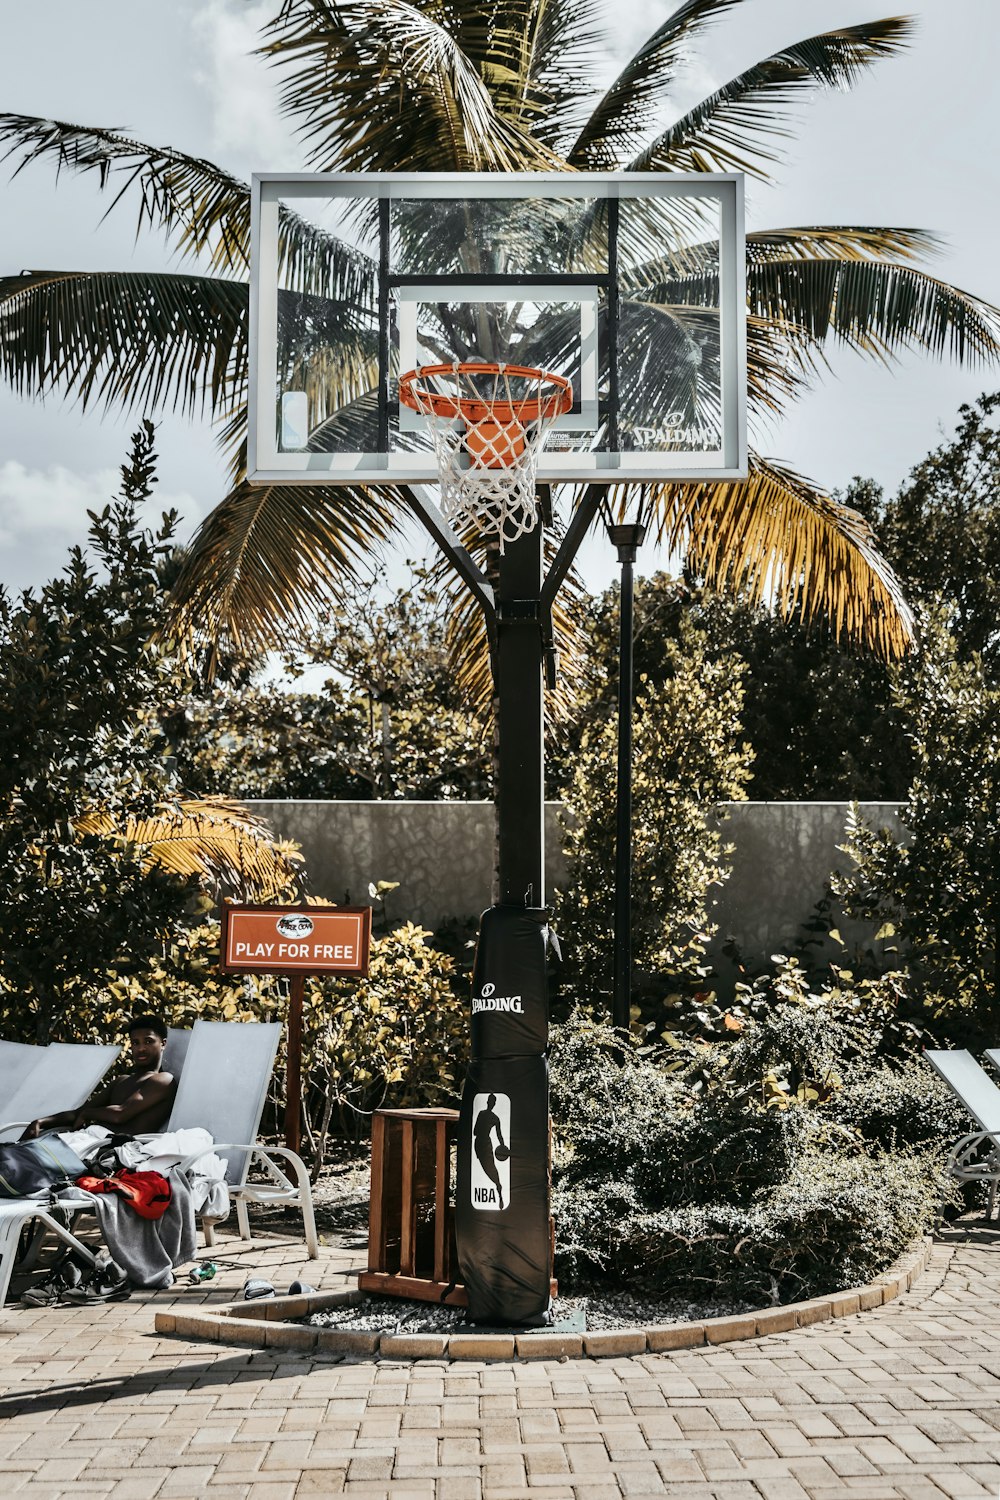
x=267 y=464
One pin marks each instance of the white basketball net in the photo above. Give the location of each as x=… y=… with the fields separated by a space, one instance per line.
x=488 y=426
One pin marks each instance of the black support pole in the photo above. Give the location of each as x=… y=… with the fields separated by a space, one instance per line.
x=520 y=792
x=628 y=540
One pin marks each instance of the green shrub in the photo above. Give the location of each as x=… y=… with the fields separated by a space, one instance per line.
x=833 y=1223
x=688 y=757
x=398 y=1038
x=787 y=1163
x=938 y=893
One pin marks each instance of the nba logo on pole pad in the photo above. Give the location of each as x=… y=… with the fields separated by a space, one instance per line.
x=491 y=1152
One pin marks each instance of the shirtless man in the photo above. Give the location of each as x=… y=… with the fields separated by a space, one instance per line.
x=137 y=1104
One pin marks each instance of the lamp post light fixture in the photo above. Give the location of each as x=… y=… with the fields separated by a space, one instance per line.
x=627 y=539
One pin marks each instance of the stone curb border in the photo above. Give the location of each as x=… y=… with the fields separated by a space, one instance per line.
x=263 y=1325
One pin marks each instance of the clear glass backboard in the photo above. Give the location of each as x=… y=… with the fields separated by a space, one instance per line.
x=629 y=285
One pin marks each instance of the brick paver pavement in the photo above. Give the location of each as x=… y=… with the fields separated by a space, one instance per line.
x=902 y=1403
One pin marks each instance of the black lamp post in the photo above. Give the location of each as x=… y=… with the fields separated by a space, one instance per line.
x=627 y=539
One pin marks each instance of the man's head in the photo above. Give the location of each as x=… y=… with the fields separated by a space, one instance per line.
x=148 y=1037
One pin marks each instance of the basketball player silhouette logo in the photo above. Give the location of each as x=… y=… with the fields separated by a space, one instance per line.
x=487 y=1122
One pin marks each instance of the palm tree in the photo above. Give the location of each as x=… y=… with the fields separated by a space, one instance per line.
x=489 y=86
x=418 y=85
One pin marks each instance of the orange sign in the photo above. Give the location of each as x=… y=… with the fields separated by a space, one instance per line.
x=296 y=939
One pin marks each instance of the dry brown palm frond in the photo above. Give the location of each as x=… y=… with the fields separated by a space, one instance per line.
x=213 y=838
x=268 y=557
x=778 y=540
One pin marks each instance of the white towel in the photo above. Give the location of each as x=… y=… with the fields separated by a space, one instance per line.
x=85 y=1142
x=207 y=1175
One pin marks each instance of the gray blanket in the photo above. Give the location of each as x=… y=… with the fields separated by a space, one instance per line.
x=146 y=1249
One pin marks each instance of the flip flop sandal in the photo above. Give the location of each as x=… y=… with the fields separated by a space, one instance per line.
x=257 y=1288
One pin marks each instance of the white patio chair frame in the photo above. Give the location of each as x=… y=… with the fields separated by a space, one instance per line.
x=974 y=1157
x=283 y=1186
x=14 y=1214
x=283 y=1191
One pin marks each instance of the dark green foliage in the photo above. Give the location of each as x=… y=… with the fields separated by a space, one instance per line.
x=791 y=1162
x=388 y=722
x=939 y=893
x=882 y=1103
x=818 y=716
x=941 y=533
x=80 y=681
x=687 y=758
x=821 y=717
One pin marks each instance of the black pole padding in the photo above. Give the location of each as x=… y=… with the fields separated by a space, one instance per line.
x=520 y=785
x=502 y=1224
x=628 y=540
x=502 y=1194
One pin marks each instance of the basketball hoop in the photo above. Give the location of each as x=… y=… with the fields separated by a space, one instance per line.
x=488 y=423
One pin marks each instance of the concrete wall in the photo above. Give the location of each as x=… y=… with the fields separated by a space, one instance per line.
x=783 y=854
x=442 y=855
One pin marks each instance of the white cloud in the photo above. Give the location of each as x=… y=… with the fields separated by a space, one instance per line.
x=248 y=132
x=43 y=512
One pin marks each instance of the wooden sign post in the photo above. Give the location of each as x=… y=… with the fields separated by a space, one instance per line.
x=294 y=941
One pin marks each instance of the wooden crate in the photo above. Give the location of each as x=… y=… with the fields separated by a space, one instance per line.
x=411 y=1229
x=411 y=1234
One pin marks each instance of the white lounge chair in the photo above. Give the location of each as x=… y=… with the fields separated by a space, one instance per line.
x=174 y=1053
x=976 y=1157
x=17 y=1061
x=64 y=1078
x=222 y=1089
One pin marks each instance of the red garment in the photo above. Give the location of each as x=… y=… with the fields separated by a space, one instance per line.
x=146 y=1192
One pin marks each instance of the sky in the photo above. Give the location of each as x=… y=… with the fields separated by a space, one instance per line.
x=915 y=144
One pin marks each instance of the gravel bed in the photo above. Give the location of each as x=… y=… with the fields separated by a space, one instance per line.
x=599 y=1309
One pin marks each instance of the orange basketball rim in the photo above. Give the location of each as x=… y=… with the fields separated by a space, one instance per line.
x=495 y=435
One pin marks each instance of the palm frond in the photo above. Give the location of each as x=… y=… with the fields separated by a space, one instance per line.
x=535 y=58
x=626 y=110
x=204 y=209
x=874 y=308
x=139 y=339
x=841 y=242
x=213 y=838
x=813 y=242
x=778 y=540
x=379 y=85
x=734 y=129
x=268 y=557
